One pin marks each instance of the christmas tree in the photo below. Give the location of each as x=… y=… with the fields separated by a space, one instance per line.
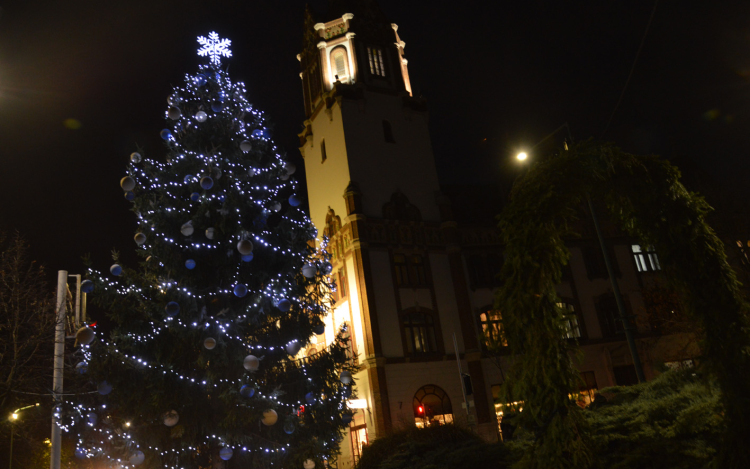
x=204 y=362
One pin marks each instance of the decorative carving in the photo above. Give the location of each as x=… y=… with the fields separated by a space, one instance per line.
x=399 y=208
x=333 y=223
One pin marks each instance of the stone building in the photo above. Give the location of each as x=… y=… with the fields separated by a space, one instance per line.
x=413 y=278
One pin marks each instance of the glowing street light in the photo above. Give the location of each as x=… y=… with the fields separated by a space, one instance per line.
x=15 y=415
x=522 y=156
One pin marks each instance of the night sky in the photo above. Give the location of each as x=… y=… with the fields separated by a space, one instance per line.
x=498 y=76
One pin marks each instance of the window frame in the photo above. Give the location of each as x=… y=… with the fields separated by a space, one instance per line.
x=493 y=324
x=426 y=330
x=571 y=312
x=445 y=404
x=376 y=62
x=645 y=259
x=339 y=51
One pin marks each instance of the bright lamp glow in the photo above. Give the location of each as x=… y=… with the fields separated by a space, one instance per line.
x=521 y=156
x=14 y=416
x=356 y=403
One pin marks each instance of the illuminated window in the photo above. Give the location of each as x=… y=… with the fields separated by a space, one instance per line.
x=359 y=440
x=570 y=322
x=432 y=406
x=339 y=61
x=645 y=259
x=323 y=154
x=588 y=388
x=492 y=327
x=419 y=332
x=375 y=57
x=388 y=132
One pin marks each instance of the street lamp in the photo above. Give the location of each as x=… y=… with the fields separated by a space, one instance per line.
x=12 y=418
x=627 y=326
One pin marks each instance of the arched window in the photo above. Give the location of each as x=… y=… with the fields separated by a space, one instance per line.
x=340 y=65
x=419 y=331
x=432 y=406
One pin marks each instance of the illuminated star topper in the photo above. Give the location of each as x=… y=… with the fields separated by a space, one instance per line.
x=214 y=47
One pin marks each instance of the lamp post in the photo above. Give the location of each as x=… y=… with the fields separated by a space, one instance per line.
x=627 y=325
x=12 y=418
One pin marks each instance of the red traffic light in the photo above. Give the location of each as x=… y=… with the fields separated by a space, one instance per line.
x=420 y=409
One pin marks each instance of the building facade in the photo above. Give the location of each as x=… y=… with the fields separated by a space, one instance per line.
x=413 y=279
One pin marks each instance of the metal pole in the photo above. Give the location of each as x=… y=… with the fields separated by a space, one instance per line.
x=627 y=325
x=57 y=379
x=12 y=430
x=461 y=378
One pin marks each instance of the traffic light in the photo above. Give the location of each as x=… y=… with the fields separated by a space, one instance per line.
x=420 y=410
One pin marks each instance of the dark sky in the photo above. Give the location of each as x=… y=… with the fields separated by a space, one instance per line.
x=497 y=76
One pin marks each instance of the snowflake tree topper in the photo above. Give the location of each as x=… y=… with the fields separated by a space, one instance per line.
x=214 y=48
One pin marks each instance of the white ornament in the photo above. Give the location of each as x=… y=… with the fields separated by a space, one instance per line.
x=174 y=113
x=251 y=172
x=290 y=168
x=201 y=116
x=245 y=247
x=270 y=417
x=187 y=229
x=210 y=232
x=137 y=458
x=292 y=348
x=309 y=270
x=309 y=464
x=214 y=47
x=275 y=206
x=346 y=377
x=209 y=343
x=135 y=157
x=251 y=363
x=246 y=146
x=140 y=239
x=171 y=418
x=127 y=183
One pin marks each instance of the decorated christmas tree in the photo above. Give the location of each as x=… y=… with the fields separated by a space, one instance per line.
x=204 y=362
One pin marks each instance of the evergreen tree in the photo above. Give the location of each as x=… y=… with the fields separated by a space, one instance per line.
x=203 y=363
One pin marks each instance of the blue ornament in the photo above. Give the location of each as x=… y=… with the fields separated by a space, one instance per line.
x=104 y=388
x=217 y=107
x=284 y=305
x=172 y=309
x=294 y=201
x=188 y=179
x=165 y=134
x=319 y=328
x=221 y=198
x=80 y=453
x=200 y=79
x=87 y=286
x=129 y=195
x=226 y=453
x=327 y=268
x=346 y=419
x=190 y=264
x=257 y=133
x=207 y=183
x=217 y=76
x=195 y=197
x=92 y=418
x=240 y=290
x=310 y=398
x=247 y=391
x=82 y=367
x=289 y=427
x=115 y=270
x=247 y=258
